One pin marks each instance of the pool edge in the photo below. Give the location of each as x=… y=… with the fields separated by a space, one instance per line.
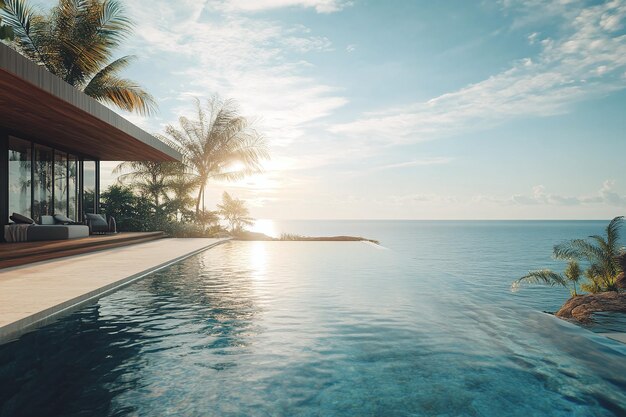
x=27 y=324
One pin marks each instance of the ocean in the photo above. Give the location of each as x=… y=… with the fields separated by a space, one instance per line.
x=425 y=324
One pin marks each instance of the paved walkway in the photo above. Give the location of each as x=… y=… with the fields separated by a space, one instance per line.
x=35 y=294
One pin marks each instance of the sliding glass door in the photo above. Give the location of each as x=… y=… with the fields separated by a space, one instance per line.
x=20 y=160
x=60 y=183
x=89 y=186
x=44 y=181
x=72 y=187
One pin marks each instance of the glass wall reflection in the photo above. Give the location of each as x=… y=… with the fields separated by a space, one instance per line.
x=72 y=185
x=45 y=181
x=43 y=174
x=60 y=183
x=89 y=186
x=19 y=176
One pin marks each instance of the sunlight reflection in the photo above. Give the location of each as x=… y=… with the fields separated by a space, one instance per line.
x=258 y=259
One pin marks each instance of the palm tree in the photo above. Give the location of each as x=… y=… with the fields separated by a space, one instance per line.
x=75 y=41
x=571 y=277
x=149 y=178
x=218 y=144
x=235 y=212
x=6 y=32
x=603 y=256
x=599 y=252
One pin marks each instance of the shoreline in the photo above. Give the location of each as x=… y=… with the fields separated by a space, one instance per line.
x=255 y=236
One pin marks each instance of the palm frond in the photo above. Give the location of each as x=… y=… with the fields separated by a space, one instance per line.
x=125 y=94
x=114 y=26
x=577 y=249
x=28 y=27
x=543 y=276
x=613 y=232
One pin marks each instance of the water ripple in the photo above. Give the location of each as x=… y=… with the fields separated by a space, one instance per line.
x=315 y=329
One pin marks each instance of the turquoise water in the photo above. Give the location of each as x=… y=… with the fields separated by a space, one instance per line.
x=426 y=326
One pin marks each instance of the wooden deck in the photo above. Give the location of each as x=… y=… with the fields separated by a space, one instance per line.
x=15 y=254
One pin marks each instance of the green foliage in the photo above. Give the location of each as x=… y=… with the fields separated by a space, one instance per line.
x=602 y=255
x=137 y=213
x=132 y=213
x=235 y=213
x=150 y=179
x=185 y=230
x=599 y=252
x=291 y=237
x=75 y=40
x=569 y=279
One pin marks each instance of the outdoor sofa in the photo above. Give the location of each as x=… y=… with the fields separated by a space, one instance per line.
x=55 y=227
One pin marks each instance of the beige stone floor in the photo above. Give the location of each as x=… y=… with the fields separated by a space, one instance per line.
x=34 y=294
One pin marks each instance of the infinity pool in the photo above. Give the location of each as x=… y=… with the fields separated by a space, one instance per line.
x=310 y=329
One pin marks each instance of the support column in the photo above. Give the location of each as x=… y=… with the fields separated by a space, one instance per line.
x=4 y=181
x=81 y=208
x=96 y=196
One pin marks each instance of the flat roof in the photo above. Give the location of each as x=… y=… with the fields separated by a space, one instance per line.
x=39 y=106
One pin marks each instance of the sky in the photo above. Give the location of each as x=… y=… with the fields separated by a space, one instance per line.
x=416 y=109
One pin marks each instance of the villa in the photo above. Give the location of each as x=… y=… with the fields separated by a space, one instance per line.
x=52 y=140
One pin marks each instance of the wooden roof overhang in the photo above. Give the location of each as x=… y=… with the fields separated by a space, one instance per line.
x=39 y=106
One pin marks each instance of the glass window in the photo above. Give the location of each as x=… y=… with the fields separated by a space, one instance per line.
x=89 y=186
x=43 y=164
x=60 y=183
x=72 y=185
x=19 y=176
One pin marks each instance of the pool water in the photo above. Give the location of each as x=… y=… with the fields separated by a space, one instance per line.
x=426 y=326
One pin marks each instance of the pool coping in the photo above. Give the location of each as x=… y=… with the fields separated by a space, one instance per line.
x=41 y=318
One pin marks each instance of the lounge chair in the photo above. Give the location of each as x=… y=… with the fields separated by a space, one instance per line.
x=98 y=224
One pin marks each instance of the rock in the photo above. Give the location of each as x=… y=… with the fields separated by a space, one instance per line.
x=620 y=281
x=581 y=307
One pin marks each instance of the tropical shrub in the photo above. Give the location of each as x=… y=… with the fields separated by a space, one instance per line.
x=602 y=256
x=235 y=213
x=132 y=213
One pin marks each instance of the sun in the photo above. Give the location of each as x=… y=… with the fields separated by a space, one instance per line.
x=265 y=226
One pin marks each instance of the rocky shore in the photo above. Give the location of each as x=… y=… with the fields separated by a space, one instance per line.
x=582 y=307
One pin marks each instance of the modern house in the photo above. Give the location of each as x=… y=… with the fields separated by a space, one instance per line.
x=52 y=140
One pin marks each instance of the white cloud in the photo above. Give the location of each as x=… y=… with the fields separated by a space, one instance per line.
x=416 y=162
x=419 y=199
x=606 y=195
x=320 y=6
x=259 y=63
x=587 y=62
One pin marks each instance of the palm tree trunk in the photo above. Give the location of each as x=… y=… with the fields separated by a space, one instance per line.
x=198 y=199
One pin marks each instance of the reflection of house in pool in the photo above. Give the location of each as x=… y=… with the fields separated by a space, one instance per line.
x=52 y=139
